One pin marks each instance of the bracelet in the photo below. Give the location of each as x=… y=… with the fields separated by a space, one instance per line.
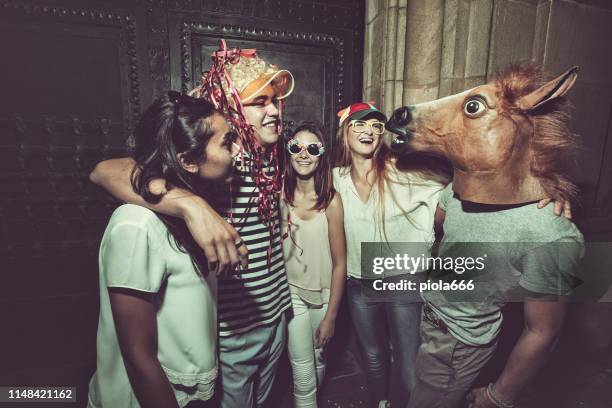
x=496 y=400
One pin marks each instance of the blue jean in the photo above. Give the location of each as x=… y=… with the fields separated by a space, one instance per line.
x=378 y=322
x=248 y=365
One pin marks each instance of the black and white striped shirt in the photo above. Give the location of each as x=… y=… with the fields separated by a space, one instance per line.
x=259 y=294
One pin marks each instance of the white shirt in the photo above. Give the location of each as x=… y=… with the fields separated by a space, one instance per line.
x=135 y=253
x=408 y=219
x=307 y=253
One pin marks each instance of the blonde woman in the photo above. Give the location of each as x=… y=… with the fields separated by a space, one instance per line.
x=382 y=205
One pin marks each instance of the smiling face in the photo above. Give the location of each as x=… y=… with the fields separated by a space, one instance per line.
x=363 y=136
x=304 y=163
x=261 y=112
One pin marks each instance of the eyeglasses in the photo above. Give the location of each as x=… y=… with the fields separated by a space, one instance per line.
x=313 y=149
x=360 y=126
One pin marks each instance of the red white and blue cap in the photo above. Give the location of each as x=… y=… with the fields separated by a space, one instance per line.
x=360 y=110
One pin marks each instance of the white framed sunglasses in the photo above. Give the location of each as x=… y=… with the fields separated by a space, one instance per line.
x=313 y=149
x=360 y=126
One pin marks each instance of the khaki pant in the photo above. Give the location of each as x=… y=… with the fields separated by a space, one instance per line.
x=248 y=363
x=445 y=368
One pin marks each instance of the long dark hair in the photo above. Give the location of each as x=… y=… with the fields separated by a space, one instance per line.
x=174 y=124
x=324 y=186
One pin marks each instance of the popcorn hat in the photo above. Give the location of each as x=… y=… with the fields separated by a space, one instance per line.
x=251 y=74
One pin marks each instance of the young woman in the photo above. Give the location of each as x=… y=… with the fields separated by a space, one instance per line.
x=315 y=258
x=157 y=332
x=382 y=205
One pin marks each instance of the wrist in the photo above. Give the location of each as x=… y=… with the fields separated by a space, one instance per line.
x=504 y=393
x=499 y=397
x=191 y=206
x=330 y=318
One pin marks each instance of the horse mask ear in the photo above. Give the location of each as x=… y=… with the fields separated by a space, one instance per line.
x=549 y=91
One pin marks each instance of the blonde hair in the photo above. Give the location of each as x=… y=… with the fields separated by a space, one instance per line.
x=381 y=161
x=385 y=164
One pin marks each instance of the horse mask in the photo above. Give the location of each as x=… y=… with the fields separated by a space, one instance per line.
x=505 y=139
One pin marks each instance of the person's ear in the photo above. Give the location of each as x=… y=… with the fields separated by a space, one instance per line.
x=187 y=165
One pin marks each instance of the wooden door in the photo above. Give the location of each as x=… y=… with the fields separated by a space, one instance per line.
x=75 y=76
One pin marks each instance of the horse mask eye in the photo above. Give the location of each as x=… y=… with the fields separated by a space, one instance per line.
x=474 y=108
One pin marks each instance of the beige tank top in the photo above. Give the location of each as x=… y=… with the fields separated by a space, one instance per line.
x=307 y=255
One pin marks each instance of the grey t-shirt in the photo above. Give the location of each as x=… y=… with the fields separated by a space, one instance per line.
x=523 y=247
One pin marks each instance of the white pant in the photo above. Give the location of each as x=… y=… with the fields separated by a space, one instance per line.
x=307 y=362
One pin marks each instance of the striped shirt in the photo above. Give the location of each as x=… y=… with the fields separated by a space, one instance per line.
x=259 y=294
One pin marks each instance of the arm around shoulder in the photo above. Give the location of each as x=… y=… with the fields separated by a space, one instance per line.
x=211 y=232
x=115 y=176
x=113 y=169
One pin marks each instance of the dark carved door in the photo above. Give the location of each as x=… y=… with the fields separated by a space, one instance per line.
x=75 y=76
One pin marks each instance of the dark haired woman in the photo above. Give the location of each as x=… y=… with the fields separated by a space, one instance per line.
x=157 y=332
x=315 y=258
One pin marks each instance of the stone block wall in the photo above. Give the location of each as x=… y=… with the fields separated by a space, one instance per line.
x=420 y=50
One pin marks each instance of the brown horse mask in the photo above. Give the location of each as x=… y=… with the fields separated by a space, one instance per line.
x=504 y=139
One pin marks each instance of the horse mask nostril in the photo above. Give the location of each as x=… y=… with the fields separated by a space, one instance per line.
x=402 y=116
x=398 y=125
x=398 y=143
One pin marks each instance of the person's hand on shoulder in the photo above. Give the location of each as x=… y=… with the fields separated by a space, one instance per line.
x=561 y=206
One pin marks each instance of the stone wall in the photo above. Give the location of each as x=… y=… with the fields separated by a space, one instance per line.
x=419 y=50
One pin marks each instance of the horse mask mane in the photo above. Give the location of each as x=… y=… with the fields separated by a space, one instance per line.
x=507 y=140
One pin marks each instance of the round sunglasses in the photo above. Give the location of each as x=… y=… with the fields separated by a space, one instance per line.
x=313 y=149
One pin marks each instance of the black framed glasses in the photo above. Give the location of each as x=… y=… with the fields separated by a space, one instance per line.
x=313 y=149
x=360 y=126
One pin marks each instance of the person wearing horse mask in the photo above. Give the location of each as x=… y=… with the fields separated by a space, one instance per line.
x=506 y=141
